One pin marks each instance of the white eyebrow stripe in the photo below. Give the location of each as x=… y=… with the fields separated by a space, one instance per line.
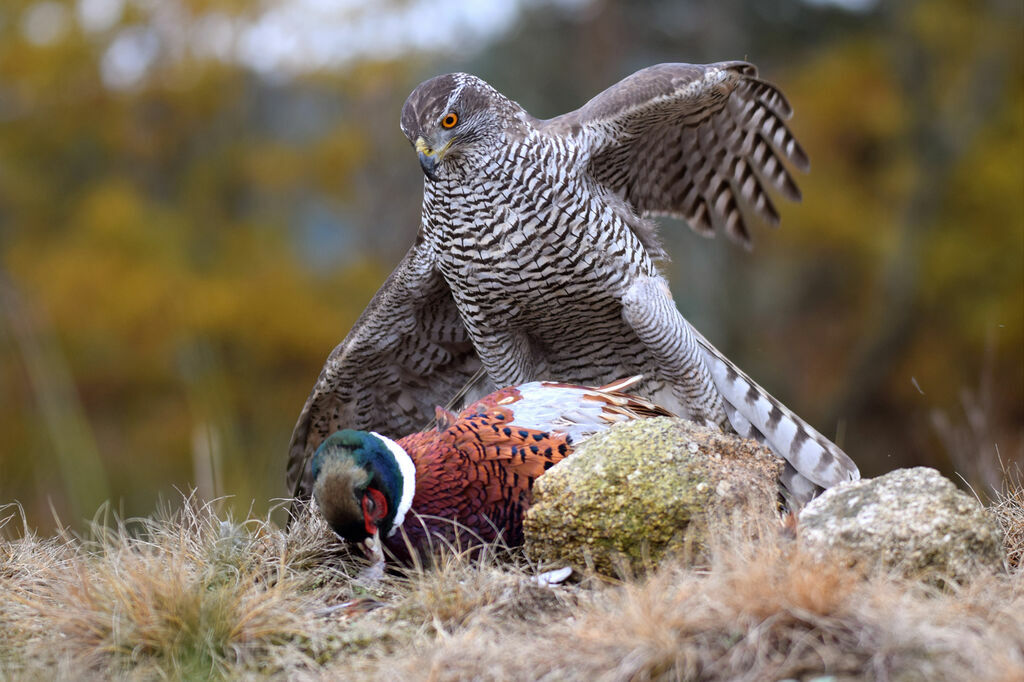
x=452 y=97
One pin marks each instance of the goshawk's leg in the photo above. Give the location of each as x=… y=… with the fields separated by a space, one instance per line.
x=507 y=355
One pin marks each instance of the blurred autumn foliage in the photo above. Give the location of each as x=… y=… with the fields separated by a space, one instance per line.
x=181 y=248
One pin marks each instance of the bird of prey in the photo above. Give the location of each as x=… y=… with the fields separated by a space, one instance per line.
x=535 y=258
x=476 y=468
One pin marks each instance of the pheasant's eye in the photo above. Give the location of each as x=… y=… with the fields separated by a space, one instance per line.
x=375 y=508
x=449 y=120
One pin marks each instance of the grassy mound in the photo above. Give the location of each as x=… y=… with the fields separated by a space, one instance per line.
x=188 y=594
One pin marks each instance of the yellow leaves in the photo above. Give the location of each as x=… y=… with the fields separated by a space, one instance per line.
x=114 y=213
x=852 y=119
x=274 y=166
x=973 y=268
x=952 y=31
x=331 y=159
x=260 y=299
x=111 y=272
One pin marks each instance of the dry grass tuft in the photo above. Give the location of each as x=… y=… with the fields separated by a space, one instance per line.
x=26 y=566
x=184 y=595
x=465 y=590
x=1008 y=509
x=762 y=610
x=188 y=594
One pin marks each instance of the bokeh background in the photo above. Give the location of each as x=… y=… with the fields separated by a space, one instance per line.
x=198 y=197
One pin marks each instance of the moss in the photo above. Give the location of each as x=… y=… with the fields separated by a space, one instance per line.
x=639 y=491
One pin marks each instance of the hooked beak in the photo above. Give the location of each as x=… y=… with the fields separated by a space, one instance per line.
x=429 y=157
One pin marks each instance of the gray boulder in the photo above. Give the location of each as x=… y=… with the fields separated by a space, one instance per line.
x=913 y=521
x=631 y=494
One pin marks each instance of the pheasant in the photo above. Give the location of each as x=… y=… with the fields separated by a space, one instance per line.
x=470 y=476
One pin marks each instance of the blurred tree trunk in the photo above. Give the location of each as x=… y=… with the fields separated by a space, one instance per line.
x=942 y=134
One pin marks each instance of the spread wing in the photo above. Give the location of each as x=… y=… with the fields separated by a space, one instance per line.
x=700 y=142
x=407 y=353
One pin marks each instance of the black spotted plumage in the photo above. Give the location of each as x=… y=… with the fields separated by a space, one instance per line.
x=535 y=257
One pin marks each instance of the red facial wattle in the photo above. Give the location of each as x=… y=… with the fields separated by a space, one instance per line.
x=375 y=508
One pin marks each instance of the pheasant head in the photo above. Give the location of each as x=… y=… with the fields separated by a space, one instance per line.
x=363 y=483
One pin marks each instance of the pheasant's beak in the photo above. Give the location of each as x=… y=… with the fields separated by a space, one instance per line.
x=430 y=157
x=373 y=549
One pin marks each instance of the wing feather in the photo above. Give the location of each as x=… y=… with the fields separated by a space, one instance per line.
x=408 y=352
x=700 y=142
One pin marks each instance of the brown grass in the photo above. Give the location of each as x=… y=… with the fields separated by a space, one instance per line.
x=187 y=594
x=761 y=611
x=184 y=595
x=1008 y=509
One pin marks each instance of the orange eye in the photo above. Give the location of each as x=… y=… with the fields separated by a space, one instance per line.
x=450 y=119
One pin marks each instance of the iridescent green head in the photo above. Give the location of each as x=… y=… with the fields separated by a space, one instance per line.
x=363 y=484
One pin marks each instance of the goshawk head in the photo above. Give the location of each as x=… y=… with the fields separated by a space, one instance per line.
x=455 y=122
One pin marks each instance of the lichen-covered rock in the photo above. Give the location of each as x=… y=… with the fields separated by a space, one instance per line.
x=914 y=521
x=641 y=489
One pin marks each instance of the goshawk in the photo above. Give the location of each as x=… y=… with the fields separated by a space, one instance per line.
x=535 y=258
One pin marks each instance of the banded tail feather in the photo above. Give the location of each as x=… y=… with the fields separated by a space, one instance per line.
x=813 y=462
